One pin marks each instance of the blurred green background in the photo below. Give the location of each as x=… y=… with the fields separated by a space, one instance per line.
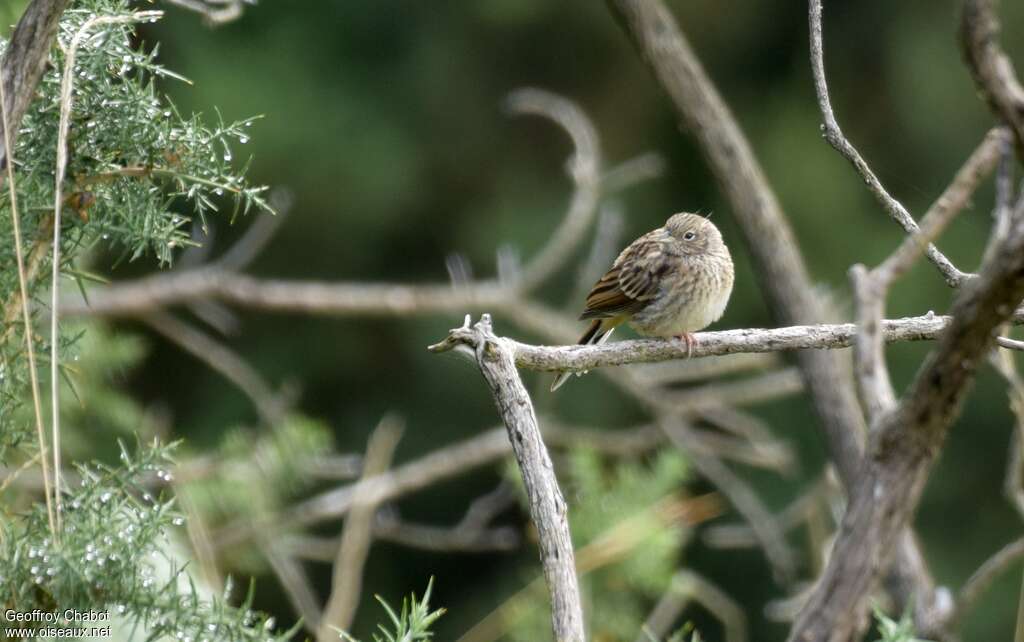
x=384 y=120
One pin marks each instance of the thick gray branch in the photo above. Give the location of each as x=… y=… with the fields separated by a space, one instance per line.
x=779 y=266
x=991 y=68
x=547 y=506
x=25 y=59
x=906 y=443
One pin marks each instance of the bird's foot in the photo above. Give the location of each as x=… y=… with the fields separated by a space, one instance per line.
x=690 y=341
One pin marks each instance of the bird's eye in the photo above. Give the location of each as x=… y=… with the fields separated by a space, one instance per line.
x=689 y=236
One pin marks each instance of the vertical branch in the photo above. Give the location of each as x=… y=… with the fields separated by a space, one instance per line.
x=547 y=506
x=355 y=541
x=58 y=202
x=26 y=317
x=780 y=268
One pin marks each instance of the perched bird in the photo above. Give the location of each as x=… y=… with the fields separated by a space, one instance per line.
x=668 y=283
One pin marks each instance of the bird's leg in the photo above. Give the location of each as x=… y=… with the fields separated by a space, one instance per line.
x=690 y=340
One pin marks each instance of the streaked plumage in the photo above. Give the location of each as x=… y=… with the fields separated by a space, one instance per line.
x=668 y=283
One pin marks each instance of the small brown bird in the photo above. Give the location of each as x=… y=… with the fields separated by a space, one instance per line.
x=668 y=283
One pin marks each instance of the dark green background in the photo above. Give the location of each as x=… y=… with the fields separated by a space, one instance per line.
x=384 y=120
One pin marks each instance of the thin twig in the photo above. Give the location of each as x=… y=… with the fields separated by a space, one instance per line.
x=214 y=14
x=793 y=515
x=296 y=582
x=768 y=531
x=58 y=203
x=221 y=359
x=585 y=169
x=26 y=316
x=834 y=135
x=982 y=579
x=199 y=536
x=686 y=586
x=1013 y=486
x=991 y=68
x=871 y=288
x=347 y=580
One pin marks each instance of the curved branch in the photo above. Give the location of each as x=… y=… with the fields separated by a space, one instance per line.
x=834 y=135
x=981 y=579
x=585 y=169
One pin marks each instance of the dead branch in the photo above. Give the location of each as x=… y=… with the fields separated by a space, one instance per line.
x=347 y=579
x=991 y=68
x=871 y=288
x=578 y=358
x=834 y=135
x=547 y=506
x=905 y=444
x=780 y=268
x=214 y=12
x=767 y=531
x=981 y=579
x=25 y=59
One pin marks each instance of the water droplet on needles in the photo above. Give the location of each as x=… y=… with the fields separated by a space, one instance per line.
x=227 y=156
x=243 y=139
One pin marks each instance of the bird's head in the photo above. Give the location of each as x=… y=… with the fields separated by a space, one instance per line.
x=694 y=233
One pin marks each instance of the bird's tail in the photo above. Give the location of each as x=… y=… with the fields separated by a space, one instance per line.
x=597 y=333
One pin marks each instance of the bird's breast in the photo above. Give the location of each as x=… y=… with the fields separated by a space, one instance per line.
x=689 y=300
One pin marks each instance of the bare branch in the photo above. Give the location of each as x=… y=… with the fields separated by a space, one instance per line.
x=585 y=169
x=578 y=358
x=347 y=581
x=547 y=506
x=954 y=199
x=22 y=301
x=295 y=582
x=199 y=537
x=789 y=518
x=871 y=288
x=1013 y=486
x=982 y=578
x=260 y=233
x=834 y=135
x=778 y=265
x=688 y=586
x=612 y=545
x=214 y=12
x=905 y=444
x=991 y=68
x=25 y=59
x=740 y=495
x=221 y=359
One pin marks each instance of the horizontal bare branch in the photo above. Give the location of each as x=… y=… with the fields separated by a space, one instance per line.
x=577 y=358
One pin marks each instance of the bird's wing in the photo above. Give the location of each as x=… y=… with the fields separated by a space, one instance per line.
x=634 y=278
